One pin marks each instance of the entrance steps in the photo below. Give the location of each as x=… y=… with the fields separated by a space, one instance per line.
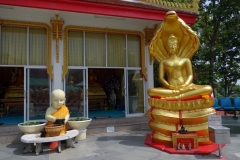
x=12 y=134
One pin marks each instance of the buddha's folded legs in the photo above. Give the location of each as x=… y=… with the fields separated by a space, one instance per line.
x=168 y=94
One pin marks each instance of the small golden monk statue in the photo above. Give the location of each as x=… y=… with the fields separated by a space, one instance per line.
x=179 y=102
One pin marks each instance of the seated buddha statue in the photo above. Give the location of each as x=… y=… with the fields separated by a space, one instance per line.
x=15 y=90
x=71 y=81
x=178 y=85
x=17 y=78
x=94 y=88
x=179 y=102
x=92 y=78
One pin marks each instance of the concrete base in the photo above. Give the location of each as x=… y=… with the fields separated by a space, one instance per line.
x=82 y=135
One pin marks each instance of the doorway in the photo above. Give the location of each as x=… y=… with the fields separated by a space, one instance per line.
x=94 y=100
x=24 y=94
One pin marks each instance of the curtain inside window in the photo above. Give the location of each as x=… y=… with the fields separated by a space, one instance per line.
x=95 y=49
x=116 y=50
x=14 y=45
x=75 y=48
x=37 y=46
x=133 y=47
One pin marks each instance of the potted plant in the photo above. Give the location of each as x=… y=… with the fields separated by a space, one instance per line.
x=80 y=123
x=31 y=127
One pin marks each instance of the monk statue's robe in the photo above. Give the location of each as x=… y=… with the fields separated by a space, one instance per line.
x=60 y=113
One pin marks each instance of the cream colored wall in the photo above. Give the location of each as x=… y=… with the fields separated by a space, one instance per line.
x=78 y=19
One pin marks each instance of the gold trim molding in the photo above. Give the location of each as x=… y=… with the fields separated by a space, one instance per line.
x=57 y=33
x=149 y=33
x=180 y=105
x=172 y=127
x=104 y=30
x=193 y=7
x=49 y=43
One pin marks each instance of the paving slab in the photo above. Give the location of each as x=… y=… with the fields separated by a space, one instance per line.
x=115 y=146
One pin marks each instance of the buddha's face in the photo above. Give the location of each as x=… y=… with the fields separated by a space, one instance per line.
x=57 y=98
x=172 y=45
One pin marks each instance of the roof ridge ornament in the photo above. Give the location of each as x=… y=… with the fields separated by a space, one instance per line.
x=176 y=5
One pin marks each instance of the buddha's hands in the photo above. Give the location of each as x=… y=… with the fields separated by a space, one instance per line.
x=187 y=89
x=50 y=118
x=172 y=87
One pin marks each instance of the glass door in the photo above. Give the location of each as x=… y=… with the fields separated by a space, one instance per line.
x=134 y=93
x=37 y=93
x=76 y=92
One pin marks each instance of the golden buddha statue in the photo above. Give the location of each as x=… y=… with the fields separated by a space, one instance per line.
x=94 y=87
x=17 y=77
x=16 y=90
x=179 y=102
x=71 y=81
x=92 y=78
x=178 y=85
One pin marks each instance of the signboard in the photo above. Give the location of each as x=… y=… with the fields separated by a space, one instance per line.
x=214 y=120
x=110 y=129
x=219 y=134
x=186 y=139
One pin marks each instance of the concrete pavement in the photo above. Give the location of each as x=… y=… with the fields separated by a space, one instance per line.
x=115 y=146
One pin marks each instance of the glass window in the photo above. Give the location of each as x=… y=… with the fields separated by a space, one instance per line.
x=133 y=50
x=103 y=50
x=95 y=49
x=37 y=46
x=116 y=50
x=13 y=45
x=75 y=48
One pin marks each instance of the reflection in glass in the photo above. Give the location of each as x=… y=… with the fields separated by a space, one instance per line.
x=135 y=92
x=38 y=93
x=75 y=86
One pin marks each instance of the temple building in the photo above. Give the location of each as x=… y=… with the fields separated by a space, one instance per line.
x=94 y=50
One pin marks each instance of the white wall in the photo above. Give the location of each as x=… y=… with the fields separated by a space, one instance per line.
x=79 y=19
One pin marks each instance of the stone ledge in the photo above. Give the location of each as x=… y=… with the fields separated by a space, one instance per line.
x=12 y=134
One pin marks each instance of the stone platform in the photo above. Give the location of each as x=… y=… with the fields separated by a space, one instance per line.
x=12 y=134
x=200 y=150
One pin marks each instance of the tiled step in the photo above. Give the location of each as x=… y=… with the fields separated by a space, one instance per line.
x=11 y=133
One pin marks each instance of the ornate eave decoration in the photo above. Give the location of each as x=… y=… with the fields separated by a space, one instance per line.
x=104 y=30
x=57 y=33
x=49 y=44
x=149 y=33
x=193 y=7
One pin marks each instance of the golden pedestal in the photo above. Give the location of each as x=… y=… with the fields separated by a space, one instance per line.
x=192 y=114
